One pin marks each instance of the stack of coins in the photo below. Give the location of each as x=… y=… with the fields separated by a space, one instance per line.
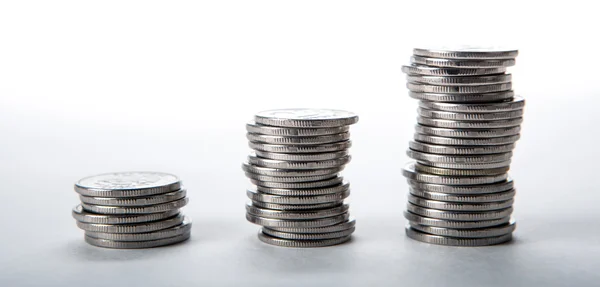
x=297 y=193
x=132 y=210
x=468 y=123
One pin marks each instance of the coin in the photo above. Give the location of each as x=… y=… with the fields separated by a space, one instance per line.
x=460 y=81
x=459 y=215
x=296 y=215
x=299 y=185
x=279 y=199
x=309 y=118
x=442 y=115
x=302 y=156
x=410 y=173
x=424 y=88
x=349 y=223
x=467 y=233
x=136 y=244
x=282 y=164
x=301 y=243
x=254 y=128
x=516 y=103
x=451 y=241
x=480 y=158
x=86 y=217
x=345 y=185
x=134 y=201
x=181 y=229
x=296 y=207
x=421 y=168
x=248 y=168
x=461 y=63
x=450 y=72
x=127 y=184
x=462 y=98
x=284 y=223
x=459 y=206
x=470 y=166
x=466 y=141
x=469 y=198
x=452 y=124
x=415 y=218
x=279 y=140
x=156 y=208
x=308 y=236
x=460 y=150
x=282 y=179
x=132 y=228
x=331 y=147
x=463 y=189
x=468 y=133
x=467 y=52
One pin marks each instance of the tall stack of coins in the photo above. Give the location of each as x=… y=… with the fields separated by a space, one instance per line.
x=132 y=210
x=468 y=122
x=298 y=193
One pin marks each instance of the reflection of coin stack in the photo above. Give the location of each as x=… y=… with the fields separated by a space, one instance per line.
x=132 y=210
x=298 y=194
x=468 y=123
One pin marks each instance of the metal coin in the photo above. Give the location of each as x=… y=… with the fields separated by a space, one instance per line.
x=471 y=166
x=442 y=115
x=459 y=215
x=127 y=184
x=424 y=88
x=308 y=236
x=462 y=98
x=331 y=147
x=296 y=215
x=460 y=150
x=516 y=103
x=259 y=177
x=460 y=206
x=296 y=207
x=278 y=140
x=137 y=244
x=302 y=156
x=300 y=185
x=464 y=198
x=134 y=201
x=350 y=223
x=306 y=118
x=415 y=218
x=481 y=158
x=83 y=216
x=248 y=168
x=421 y=168
x=463 y=189
x=181 y=229
x=345 y=185
x=451 y=241
x=279 y=199
x=282 y=164
x=467 y=233
x=410 y=173
x=461 y=63
x=301 y=243
x=467 y=52
x=284 y=223
x=460 y=81
x=468 y=133
x=450 y=72
x=156 y=208
x=451 y=124
x=254 y=128
x=132 y=228
x=466 y=141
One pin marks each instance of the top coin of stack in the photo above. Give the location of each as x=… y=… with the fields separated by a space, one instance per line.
x=132 y=210
x=468 y=122
x=298 y=194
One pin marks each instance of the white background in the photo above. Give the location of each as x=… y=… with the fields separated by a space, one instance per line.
x=89 y=87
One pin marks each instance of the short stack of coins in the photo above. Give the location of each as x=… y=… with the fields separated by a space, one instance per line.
x=132 y=210
x=298 y=193
x=468 y=122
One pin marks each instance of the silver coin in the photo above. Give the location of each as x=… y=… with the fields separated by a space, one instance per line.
x=301 y=156
x=460 y=150
x=308 y=236
x=463 y=189
x=410 y=173
x=300 y=185
x=181 y=229
x=350 y=223
x=461 y=63
x=309 y=118
x=301 y=243
x=467 y=52
x=468 y=133
x=459 y=215
x=86 y=217
x=481 y=158
x=279 y=199
x=450 y=72
x=345 y=185
x=451 y=124
x=331 y=147
x=467 y=233
x=452 y=241
x=460 y=81
x=460 y=206
x=284 y=223
x=462 y=98
x=290 y=172
x=296 y=215
x=290 y=179
x=466 y=141
x=411 y=217
x=254 y=128
x=464 y=198
x=127 y=184
x=278 y=140
x=137 y=244
x=156 y=208
x=421 y=168
x=132 y=228
x=282 y=164
x=470 y=166
x=423 y=88
x=134 y=201
x=442 y=115
x=516 y=103
x=296 y=207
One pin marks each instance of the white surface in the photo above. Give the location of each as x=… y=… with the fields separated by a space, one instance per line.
x=91 y=87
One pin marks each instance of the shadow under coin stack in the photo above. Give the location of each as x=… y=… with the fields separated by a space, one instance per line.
x=468 y=123
x=297 y=193
x=132 y=210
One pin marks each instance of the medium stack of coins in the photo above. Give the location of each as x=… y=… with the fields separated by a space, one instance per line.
x=297 y=193
x=132 y=210
x=468 y=123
